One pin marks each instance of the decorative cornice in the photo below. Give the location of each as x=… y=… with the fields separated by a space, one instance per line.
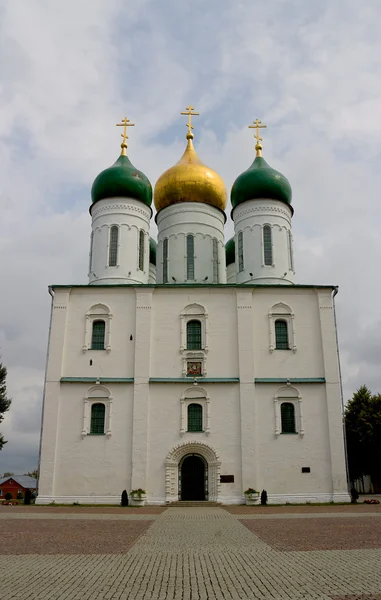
x=290 y=380
x=97 y=380
x=195 y=381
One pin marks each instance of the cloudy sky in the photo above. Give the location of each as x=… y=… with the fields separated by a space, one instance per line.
x=69 y=71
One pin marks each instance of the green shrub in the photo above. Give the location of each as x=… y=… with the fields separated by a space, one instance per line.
x=8 y=496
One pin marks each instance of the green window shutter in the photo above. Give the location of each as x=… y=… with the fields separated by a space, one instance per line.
x=287 y=411
x=267 y=245
x=194 y=417
x=98 y=335
x=190 y=257
x=97 y=418
x=141 y=250
x=113 y=248
x=281 y=335
x=165 y=260
x=240 y=252
x=193 y=335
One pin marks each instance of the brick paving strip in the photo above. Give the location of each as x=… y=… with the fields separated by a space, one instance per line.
x=192 y=554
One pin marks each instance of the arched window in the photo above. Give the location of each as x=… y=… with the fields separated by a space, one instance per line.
x=240 y=252
x=165 y=260
x=281 y=335
x=267 y=246
x=287 y=413
x=190 y=257
x=141 y=250
x=193 y=335
x=98 y=412
x=194 y=417
x=98 y=335
x=113 y=247
x=215 y=261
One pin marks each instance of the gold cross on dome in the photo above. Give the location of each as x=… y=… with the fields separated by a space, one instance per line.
x=188 y=112
x=257 y=125
x=125 y=123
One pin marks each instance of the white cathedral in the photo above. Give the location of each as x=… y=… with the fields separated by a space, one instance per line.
x=192 y=368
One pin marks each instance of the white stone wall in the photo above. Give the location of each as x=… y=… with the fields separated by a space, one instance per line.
x=147 y=437
x=131 y=216
x=205 y=223
x=249 y=218
x=231 y=274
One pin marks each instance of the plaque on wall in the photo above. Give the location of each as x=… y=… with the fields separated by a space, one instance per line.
x=194 y=369
x=227 y=478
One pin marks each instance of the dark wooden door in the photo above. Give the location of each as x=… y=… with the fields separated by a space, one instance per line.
x=193 y=478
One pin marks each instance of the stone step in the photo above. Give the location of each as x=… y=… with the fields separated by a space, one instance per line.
x=193 y=503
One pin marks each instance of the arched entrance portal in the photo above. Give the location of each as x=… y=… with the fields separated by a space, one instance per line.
x=174 y=470
x=193 y=482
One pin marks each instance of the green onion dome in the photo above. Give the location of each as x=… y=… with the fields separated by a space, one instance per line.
x=261 y=181
x=122 y=179
x=152 y=251
x=230 y=252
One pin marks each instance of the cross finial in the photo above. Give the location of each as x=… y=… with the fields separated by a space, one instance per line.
x=188 y=111
x=257 y=125
x=125 y=123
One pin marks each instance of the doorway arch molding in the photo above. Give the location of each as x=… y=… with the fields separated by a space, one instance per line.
x=172 y=468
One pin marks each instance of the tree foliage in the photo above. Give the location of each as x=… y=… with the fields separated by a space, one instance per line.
x=33 y=473
x=363 y=432
x=4 y=401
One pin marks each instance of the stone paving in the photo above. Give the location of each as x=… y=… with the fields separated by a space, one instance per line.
x=188 y=554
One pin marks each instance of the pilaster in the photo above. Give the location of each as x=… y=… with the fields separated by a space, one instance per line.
x=333 y=395
x=140 y=414
x=245 y=336
x=51 y=406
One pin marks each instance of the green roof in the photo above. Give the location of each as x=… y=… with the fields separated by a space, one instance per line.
x=122 y=180
x=152 y=251
x=230 y=251
x=261 y=181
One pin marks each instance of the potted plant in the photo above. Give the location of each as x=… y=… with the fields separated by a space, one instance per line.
x=251 y=496
x=138 y=497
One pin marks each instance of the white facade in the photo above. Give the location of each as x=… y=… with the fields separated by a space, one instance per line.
x=253 y=220
x=128 y=261
x=206 y=224
x=140 y=378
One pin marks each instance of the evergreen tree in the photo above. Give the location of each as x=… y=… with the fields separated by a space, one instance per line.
x=363 y=432
x=4 y=401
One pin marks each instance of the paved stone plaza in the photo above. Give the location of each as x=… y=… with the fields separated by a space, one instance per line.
x=79 y=553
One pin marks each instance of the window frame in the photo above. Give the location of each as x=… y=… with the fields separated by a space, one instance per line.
x=215 y=261
x=241 y=261
x=190 y=334
x=190 y=263
x=95 y=334
x=165 y=260
x=97 y=394
x=291 y=395
x=290 y=250
x=141 y=250
x=92 y=419
x=284 y=418
x=199 y=417
x=113 y=246
x=279 y=335
x=282 y=312
x=267 y=245
x=195 y=395
x=98 y=312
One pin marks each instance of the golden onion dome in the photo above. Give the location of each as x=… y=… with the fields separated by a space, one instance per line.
x=190 y=180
